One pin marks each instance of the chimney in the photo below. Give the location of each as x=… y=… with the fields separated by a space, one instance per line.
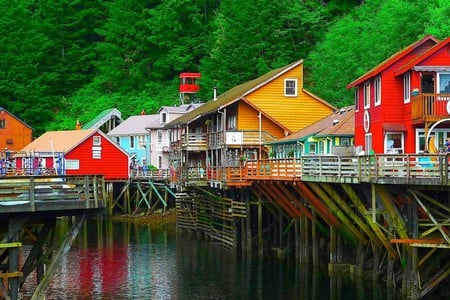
x=215 y=93
x=78 y=125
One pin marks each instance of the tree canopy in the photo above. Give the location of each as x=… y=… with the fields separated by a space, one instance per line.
x=68 y=60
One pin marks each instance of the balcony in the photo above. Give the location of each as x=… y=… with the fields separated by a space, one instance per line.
x=430 y=108
x=194 y=142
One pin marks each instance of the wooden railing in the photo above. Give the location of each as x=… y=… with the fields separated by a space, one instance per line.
x=429 y=107
x=432 y=169
x=194 y=141
x=51 y=193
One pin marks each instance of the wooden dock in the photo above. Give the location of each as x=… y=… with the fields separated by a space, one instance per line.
x=29 y=206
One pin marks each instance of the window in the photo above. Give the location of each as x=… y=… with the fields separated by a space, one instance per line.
x=232 y=122
x=117 y=140
x=393 y=142
x=97 y=140
x=72 y=164
x=367 y=95
x=312 y=148
x=368 y=140
x=160 y=136
x=159 y=162
x=2 y=123
x=163 y=117
x=377 y=90
x=345 y=141
x=131 y=142
x=141 y=141
x=444 y=85
x=356 y=99
x=290 y=87
x=407 y=88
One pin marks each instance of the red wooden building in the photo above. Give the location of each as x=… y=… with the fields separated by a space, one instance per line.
x=402 y=105
x=75 y=152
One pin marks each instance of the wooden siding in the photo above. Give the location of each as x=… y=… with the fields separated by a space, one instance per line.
x=293 y=112
x=113 y=163
x=248 y=120
x=16 y=135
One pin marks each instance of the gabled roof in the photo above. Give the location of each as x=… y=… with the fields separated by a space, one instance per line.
x=25 y=124
x=339 y=123
x=59 y=141
x=184 y=108
x=422 y=57
x=136 y=125
x=231 y=96
x=395 y=57
x=102 y=118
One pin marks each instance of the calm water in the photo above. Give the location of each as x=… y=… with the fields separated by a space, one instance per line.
x=126 y=261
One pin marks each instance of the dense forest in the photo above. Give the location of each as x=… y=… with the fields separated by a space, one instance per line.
x=71 y=59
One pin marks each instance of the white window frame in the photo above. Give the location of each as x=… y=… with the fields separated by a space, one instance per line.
x=357 y=99
x=368 y=143
x=72 y=164
x=159 y=136
x=141 y=141
x=407 y=88
x=390 y=149
x=312 y=148
x=132 y=142
x=366 y=95
x=290 y=91
x=164 y=117
x=96 y=140
x=377 y=90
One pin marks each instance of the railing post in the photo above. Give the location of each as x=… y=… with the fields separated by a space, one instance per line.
x=86 y=190
x=32 y=202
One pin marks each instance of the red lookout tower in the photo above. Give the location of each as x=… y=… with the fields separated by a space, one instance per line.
x=188 y=86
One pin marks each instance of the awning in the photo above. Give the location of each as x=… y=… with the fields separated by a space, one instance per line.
x=394 y=127
x=431 y=69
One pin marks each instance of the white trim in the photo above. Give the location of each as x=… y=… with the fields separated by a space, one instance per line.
x=407 y=88
x=377 y=90
x=366 y=94
x=295 y=81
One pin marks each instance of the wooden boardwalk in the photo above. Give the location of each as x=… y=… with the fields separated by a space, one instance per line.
x=29 y=208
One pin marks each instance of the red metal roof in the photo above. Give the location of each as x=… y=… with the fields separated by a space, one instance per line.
x=385 y=64
x=422 y=57
x=190 y=75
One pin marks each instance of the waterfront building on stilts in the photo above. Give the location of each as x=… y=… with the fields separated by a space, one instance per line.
x=379 y=204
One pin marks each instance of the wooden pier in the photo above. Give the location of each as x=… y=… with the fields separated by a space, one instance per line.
x=384 y=214
x=29 y=207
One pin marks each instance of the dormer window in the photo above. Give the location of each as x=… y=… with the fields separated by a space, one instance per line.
x=163 y=117
x=290 y=87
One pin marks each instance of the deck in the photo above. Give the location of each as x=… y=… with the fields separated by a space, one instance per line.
x=42 y=194
x=382 y=169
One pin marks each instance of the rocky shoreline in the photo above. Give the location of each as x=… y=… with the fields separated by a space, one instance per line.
x=156 y=218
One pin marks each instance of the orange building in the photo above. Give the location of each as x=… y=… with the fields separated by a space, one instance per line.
x=236 y=125
x=14 y=133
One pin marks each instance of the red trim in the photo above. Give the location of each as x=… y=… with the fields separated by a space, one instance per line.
x=385 y=64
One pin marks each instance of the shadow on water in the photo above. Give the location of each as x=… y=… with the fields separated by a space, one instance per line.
x=114 y=260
